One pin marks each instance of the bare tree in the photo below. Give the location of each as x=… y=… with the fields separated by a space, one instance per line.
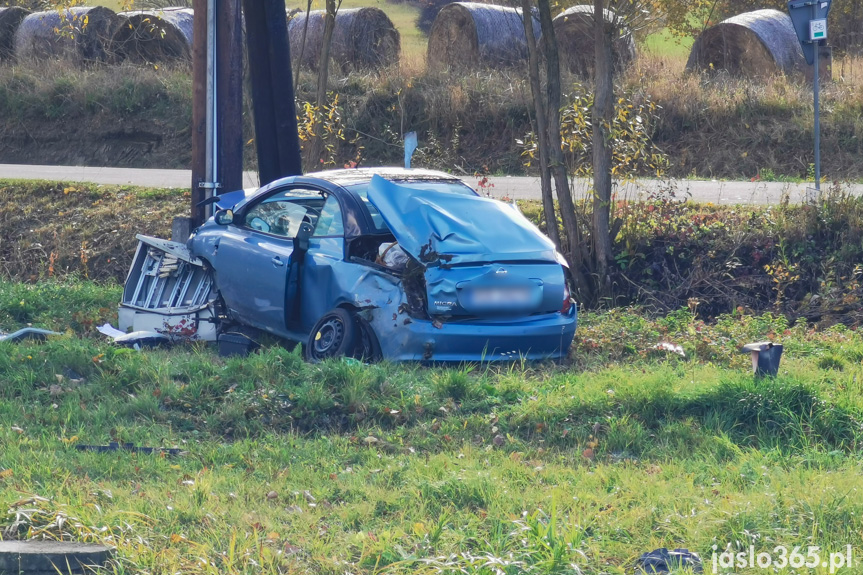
x=587 y=244
x=541 y=128
x=302 y=45
x=610 y=18
x=603 y=108
x=317 y=143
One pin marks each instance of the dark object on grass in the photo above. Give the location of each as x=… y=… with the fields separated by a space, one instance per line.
x=78 y=34
x=665 y=561
x=753 y=44
x=115 y=446
x=52 y=557
x=10 y=19
x=470 y=35
x=151 y=36
x=234 y=343
x=364 y=38
x=27 y=333
x=765 y=358
x=574 y=31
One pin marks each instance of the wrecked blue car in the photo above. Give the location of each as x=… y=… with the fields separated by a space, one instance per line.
x=371 y=263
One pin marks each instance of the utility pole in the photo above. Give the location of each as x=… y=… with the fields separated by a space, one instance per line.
x=276 y=132
x=217 y=106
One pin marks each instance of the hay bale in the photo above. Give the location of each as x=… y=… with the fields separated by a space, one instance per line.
x=469 y=34
x=148 y=36
x=81 y=34
x=10 y=19
x=574 y=31
x=364 y=38
x=752 y=44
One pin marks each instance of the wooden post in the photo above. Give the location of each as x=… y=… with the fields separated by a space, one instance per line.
x=229 y=113
x=276 y=132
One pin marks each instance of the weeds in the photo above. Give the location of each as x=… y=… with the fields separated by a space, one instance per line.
x=709 y=127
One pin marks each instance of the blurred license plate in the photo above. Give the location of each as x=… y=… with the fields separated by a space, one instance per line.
x=500 y=296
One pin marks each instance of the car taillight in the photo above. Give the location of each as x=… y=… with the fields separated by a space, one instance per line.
x=567 y=300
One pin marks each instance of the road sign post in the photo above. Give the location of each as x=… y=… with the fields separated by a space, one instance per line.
x=809 y=18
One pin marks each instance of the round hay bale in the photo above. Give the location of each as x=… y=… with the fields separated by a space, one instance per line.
x=364 y=38
x=574 y=31
x=10 y=19
x=469 y=34
x=752 y=44
x=148 y=36
x=75 y=33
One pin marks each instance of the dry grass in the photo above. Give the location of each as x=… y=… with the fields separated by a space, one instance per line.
x=720 y=126
x=715 y=127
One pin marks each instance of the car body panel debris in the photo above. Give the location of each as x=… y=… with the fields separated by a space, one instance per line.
x=136 y=339
x=168 y=291
x=381 y=263
x=665 y=561
x=27 y=333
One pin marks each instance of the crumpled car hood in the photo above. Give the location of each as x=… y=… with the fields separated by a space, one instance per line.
x=444 y=228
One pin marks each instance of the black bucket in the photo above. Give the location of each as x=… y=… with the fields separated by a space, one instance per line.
x=765 y=358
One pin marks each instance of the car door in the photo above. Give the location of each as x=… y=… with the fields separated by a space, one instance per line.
x=254 y=256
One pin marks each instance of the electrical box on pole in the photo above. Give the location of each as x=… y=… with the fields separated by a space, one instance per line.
x=809 y=18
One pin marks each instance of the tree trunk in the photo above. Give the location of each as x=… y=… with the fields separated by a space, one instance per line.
x=540 y=126
x=302 y=45
x=603 y=110
x=316 y=146
x=557 y=165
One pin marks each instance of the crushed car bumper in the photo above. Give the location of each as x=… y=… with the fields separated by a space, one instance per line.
x=532 y=338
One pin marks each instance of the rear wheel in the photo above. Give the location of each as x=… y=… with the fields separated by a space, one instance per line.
x=335 y=335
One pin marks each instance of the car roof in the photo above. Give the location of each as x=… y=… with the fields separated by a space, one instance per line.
x=346 y=177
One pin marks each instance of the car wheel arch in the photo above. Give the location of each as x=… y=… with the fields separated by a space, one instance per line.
x=369 y=347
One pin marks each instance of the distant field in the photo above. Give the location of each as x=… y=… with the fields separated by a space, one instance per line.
x=414 y=42
x=404 y=18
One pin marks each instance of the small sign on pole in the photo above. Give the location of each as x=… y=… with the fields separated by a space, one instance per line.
x=817 y=30
x=809 y=18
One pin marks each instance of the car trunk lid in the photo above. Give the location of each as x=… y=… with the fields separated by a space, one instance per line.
x=447 y=229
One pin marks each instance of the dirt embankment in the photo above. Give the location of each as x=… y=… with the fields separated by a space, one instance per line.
x=99 y=141
x=720 y=128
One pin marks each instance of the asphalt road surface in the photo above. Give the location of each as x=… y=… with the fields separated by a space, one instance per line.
x=520 y=188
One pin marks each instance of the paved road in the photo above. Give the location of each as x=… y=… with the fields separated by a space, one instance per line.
x=510 y=186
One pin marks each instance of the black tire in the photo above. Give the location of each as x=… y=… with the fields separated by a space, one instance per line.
x=335 y=335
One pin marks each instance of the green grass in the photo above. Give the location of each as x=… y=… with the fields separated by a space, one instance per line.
x=333 y=468
x=664 y=43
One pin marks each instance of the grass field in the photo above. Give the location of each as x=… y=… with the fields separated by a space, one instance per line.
x=664 y=43
x=343 y=468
